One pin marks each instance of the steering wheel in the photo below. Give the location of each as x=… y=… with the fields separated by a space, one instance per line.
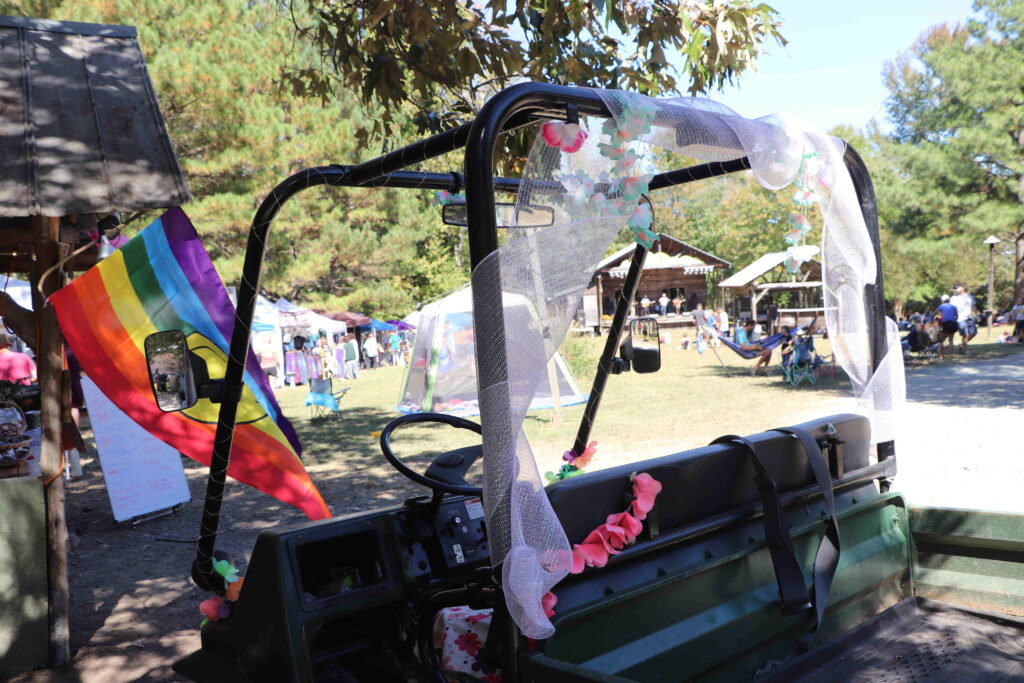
x=448 y=471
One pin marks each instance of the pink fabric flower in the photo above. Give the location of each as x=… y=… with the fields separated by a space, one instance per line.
x=583 y=459
x=619 y=530
x=645 y=489
x=630 y=525
x=568 y=137
x=474 y=618
x=589 y=555
x=214 y=609
x=607 y=539
x=548 y=602
x=469 y=643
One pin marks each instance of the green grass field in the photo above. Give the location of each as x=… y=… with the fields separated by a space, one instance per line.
x=691 y=401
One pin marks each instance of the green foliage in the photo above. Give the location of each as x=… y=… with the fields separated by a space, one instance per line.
x=581 y=355
x=444 y=58
x=215 y=68
x=732 y=217
x=958 y=116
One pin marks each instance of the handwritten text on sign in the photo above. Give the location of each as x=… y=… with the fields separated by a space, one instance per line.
x=143 y=474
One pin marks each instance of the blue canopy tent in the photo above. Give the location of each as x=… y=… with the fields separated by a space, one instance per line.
x=377 y=326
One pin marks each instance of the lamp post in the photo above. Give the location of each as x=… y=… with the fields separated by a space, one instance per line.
x=991 y=241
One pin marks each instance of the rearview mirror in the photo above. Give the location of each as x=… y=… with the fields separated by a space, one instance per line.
x=506 y=215
x=170 y=372
x=644 y=345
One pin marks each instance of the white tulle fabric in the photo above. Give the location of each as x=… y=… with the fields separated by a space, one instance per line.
x=552 y=266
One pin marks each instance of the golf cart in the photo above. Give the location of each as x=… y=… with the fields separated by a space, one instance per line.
x=782 y=555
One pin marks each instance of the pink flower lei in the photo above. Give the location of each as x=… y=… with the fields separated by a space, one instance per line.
x=618 y=531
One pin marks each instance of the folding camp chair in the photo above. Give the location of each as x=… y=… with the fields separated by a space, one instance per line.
x=801 y=364
x=322 y=399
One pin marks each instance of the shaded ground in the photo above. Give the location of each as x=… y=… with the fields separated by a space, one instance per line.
x=134 y=611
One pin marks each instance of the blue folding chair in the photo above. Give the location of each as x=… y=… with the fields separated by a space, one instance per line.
x=322 y=399
x=801 y=364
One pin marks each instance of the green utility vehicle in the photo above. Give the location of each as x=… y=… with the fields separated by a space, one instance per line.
x=783 y=555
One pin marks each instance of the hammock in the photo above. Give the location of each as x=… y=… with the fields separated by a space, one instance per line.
x=767 y=343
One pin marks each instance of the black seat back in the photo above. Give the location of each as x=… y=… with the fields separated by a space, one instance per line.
x=704 y=481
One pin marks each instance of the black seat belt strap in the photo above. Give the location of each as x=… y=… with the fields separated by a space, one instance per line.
x=793 y=594
x=826 y=561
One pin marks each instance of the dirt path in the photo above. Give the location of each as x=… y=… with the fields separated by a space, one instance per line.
x=960 y=443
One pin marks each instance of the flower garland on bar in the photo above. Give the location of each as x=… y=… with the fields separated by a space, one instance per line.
x=808 y=179
x=574 y=463
x=217 y=608
x=619 y=530
x=625 y=192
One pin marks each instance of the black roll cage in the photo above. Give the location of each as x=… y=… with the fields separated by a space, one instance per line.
x=512 y=108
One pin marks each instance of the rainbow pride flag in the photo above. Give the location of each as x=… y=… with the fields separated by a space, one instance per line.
x=162 y=279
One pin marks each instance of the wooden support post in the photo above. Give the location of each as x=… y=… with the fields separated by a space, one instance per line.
x=556 y=394
x=50 y=361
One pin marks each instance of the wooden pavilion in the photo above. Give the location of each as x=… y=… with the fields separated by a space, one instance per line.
x=674 y=267
x=768 y=276
x=81 y=140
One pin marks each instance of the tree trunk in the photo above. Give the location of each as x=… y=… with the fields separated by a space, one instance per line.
x=897 y=308
x=1018 y=264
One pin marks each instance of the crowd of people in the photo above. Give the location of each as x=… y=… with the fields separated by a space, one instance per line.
x=322 y=355
x=954 y=323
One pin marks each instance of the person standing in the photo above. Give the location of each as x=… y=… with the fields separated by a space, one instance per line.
x=269 y=359
x=965 y=307
x=370 y=351
x=351 y=351
x=663 y=304
x=1017 y=316
x=700 y=320
x=773 y=316
x=948 y=326
x=723 y=321
x=14 y=365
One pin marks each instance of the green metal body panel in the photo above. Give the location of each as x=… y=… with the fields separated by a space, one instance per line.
x=718 y=619
x=970 y=558
x=24 y=602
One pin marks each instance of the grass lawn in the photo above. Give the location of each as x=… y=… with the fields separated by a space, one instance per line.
x=691 y=401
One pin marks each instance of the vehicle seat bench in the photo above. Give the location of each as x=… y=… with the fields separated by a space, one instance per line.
x=696 y=596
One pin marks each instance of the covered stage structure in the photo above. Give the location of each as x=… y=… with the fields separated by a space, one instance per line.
x=766 y=277
x=681 y=270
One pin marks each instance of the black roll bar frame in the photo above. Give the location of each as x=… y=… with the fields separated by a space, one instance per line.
x=512 y=108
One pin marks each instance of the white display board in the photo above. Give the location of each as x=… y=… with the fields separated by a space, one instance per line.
x=142 y=473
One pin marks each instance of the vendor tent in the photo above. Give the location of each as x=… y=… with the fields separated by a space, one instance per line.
x=19 y=290
x=441 y=375
x=378 y=326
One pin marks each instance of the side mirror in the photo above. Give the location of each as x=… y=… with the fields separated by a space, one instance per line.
x=643 y=347
x=170 y=372
x=506 y=215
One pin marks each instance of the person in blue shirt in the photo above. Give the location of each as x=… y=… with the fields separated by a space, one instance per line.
x=748 y=338
x=948 y=326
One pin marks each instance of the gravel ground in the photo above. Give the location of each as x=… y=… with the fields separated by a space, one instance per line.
x=960 y=443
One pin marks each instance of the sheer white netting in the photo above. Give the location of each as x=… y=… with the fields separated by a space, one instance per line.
x=593 y=176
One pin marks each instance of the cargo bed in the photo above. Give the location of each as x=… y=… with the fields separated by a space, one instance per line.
x=919 y=639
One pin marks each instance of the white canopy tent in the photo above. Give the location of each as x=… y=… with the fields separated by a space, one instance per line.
x=441 y=376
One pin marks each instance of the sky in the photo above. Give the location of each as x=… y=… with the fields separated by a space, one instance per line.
x=831 y=70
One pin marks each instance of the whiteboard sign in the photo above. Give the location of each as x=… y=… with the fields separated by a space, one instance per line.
x=142 y=473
